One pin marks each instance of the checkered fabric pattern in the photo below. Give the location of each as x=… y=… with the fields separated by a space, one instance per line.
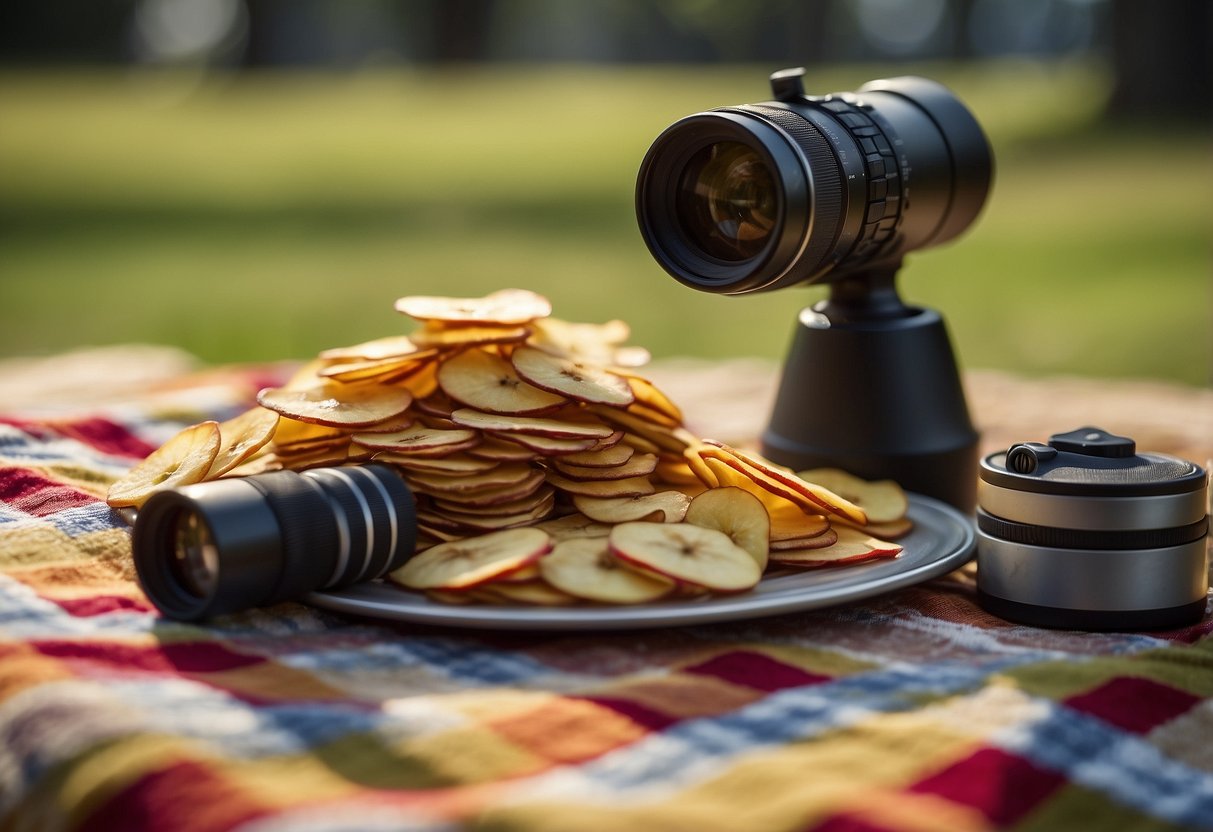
x=914 y=711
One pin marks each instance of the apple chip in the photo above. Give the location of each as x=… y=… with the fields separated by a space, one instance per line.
x=852 y=547
x=529 y=502
x=554 y=428
x=586 y=568
x=891 y=530
x=489 y=383
x=532 y=593
x=638 y=466
x=419 y=440
x=394 y=346
x=463 y=564
x=817 y=541
x=182 y=460
x=241 y=437
x=600 y=457
x=662 y=436
x=738 y=514
x=337 y=405
x=445 y=481
x=659 y=507
x=590 y=342
x=383 y=370
x=508 y=306
x=500 y=451
x=490 y=496
x=548 y=446
x=687 y=554
x=573 y=526
x=447 y=337
x=569 y=377
x=456 y=463
x=630 y=487
x=882 y=501
x=647 y=394
x=492 y=522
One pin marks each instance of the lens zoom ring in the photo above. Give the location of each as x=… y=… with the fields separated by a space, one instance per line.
x=826 y=178
x=1055 y=538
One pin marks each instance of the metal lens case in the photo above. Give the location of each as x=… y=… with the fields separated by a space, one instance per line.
x=1085 y=533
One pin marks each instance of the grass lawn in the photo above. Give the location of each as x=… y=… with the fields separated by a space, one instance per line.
x=267 y=217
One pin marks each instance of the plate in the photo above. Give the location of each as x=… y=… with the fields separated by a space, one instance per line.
x=942 y=540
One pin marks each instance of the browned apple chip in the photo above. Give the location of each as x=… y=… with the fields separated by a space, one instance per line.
x=241 y=437
x=448 y=337
x=578 y=380
x=337 y=405
x=539 y=426
x=182 y=460
x=508 y=306
x=489 y=383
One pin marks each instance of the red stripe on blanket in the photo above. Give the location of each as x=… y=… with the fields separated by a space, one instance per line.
x=1002 y=786
x=181 y=657
x=104 y=435
x=184 y=797
x=849 y=823
x=645 y=717
x=101 y=604
x=34 y=494
x=754 y=670
x=1133 y=704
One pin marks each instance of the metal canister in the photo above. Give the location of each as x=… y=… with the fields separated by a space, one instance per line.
x=1085 y=533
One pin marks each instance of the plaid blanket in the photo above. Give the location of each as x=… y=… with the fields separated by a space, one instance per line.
x=914 y=711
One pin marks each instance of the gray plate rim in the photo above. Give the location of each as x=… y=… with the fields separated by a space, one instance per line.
x=943 y=540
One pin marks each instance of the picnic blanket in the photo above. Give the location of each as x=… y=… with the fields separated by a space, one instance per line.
x=912 y=711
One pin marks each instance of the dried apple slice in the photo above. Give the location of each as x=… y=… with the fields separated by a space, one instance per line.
x=630 y=487
x=573 y=526
x=394 y=346
x=592 y=342
x=548 y=446
x=529 y=502
x=675 y=473
x=447 y=337
x=738 y=514
x=182 y=460
x=493 y=522
x=337 y=405
x=421 y=382
x=882 y=501
x=532 y=593
x=241 y=437
x=852 y=547
x=456 y=483
x=659 y=507
x=456 y=463
x=489 y=383
x=538 y=426
x=578 y=380
x=419 y=440
x=600 y=458
x=501 y=451
x=398 y=423
x=586 y=568
x=817 y=541
x=491 y=496
x=463 y=564
x=638 y=466
x=508 y=306
x=685 y=553
x=891 y=530
x=290 y=432
x=648 y=394
x=662 y=436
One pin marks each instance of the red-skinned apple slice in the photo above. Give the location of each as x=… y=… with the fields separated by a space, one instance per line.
x=492 y=522
x=571 y=378
x=548 y=446
x=659 y=507
x=738 y=514
x=382 y=369
x=490 y=496
x=573 y=526
x=884 y=531
x=585 y=568
x=418 y=440
x=686 y=553
x=818 y=541
x=638 y=466
x=601 y=458
x=453 y=482
x=630 y=487
x=490 y=384
x=501 y=451
x=508 y=306
x=463 y=564
x=530 y=502
x=852 y=547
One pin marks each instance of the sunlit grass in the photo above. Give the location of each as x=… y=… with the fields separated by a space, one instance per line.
x=270 y=216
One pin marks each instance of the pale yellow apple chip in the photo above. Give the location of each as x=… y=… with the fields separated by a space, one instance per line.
x=817 y=541
x=578 y=380
x=573 y=526
x=455 y=482
x=490 y=496
x=508 y=306
x=885 y=531
x=600 y=458
x=337 y=405
x=549 y=446
x=489 y=383
x=588 y=342
x=384 y=370
x=532 y=593
x=241 y=437
x=586 y=568
x=659 y=507
x=418 y=439
x=457 y=463
x=738 y=514
x=492 y=522
x=882 y=501
x=182 y=460
x=851 y=547
x=394 y=346
x=463 y=564
x=529 y=502
x=536 y=425
x=687 y=554
x=447 y=337
x=497 y=450
x=630 y=487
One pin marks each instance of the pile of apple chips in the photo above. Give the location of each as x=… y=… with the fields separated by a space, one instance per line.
x=547 y=471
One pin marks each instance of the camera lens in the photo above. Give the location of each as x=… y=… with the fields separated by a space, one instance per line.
x=228 y=545
x=727 y=201
x=811 y=189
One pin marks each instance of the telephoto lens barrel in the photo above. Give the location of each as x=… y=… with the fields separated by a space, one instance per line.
x=811 y=189
x=233 y=544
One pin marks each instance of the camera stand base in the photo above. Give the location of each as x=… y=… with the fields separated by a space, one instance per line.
x=880 y=397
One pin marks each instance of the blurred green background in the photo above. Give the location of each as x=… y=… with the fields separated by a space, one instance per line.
x=246 y=206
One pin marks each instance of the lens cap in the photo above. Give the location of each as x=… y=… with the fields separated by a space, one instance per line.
x=1085 y=533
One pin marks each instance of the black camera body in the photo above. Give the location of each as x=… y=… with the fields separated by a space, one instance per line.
x=835 y=189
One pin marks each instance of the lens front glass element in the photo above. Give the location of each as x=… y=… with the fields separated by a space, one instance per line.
x=195 y=562
x=727 y=202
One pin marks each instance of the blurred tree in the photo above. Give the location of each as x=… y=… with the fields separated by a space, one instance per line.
x=1162 y=55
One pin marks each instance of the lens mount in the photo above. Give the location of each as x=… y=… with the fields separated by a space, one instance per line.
x=725 y=202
